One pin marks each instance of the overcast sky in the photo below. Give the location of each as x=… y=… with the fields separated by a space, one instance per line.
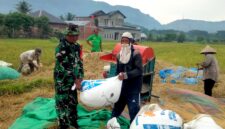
x=166 y=11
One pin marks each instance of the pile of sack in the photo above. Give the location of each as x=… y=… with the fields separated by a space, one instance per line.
x=154 y=117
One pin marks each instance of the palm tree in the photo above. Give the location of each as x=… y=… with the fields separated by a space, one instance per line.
x=23 y=7
x=68 y=17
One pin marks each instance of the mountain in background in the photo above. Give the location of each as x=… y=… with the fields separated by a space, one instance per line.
x=83 y=8
x=187 y=25
x=134 y=16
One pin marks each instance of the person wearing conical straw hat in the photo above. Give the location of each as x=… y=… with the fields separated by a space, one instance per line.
x=210 y=69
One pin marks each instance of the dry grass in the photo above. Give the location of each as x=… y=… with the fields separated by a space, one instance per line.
x=11 y=105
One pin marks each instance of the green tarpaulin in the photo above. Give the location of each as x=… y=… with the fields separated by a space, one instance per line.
x=8 y=73
x=40 y=114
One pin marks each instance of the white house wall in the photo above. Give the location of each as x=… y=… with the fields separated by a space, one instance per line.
x=115 y=34
x=117 y=20
x=101 y=20
x=112 y=27
x=114 y=20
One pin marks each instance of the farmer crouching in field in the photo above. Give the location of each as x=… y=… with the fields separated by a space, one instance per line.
x=29 y=60
x=129 y=69
x=210 y=69
x=68 y=74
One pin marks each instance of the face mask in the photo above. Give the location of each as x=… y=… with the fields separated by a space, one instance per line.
x=125 y=45
x=125 y=53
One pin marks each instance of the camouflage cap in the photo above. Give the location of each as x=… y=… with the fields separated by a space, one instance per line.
x=72 y=30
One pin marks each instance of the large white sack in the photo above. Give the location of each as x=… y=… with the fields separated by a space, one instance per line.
x=3 y=63
x=99 y=93
x=153 y=117
x=202 y=121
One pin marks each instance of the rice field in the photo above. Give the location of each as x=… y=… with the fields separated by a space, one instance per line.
x=185 y=54
x=14 y=94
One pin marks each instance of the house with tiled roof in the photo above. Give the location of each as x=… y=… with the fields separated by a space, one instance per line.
x=54 y=22
x=111 y=24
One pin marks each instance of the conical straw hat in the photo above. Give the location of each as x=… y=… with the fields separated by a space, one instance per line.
x=208 y=49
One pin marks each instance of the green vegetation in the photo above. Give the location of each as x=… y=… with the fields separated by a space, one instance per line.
x=20 y=86
x=23 y=7
x=185 y=54
x=20 y=25
x=180 y=36
x=68 y=17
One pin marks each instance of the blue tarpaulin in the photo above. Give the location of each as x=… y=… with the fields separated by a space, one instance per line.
x=178 y=75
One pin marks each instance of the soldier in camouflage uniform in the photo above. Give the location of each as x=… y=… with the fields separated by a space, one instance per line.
x=68 y=72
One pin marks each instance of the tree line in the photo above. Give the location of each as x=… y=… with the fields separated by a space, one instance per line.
x=18 y=24
x=21 y=24
x=180 y=36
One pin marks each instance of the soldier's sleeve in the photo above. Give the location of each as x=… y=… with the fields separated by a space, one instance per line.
x=59 y=53
x=60 y=57
x=80 y=68
x=81 y=60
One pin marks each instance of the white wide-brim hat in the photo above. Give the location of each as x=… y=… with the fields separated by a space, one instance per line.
x=208 y=49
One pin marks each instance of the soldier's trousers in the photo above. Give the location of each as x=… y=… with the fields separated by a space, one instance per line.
x=66 y=109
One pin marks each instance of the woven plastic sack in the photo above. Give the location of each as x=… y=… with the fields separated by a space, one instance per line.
x=153 y=117
x=190 y=81
x=202 y=121
x=99 y=93
x=8 y=73
x=3 y=63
